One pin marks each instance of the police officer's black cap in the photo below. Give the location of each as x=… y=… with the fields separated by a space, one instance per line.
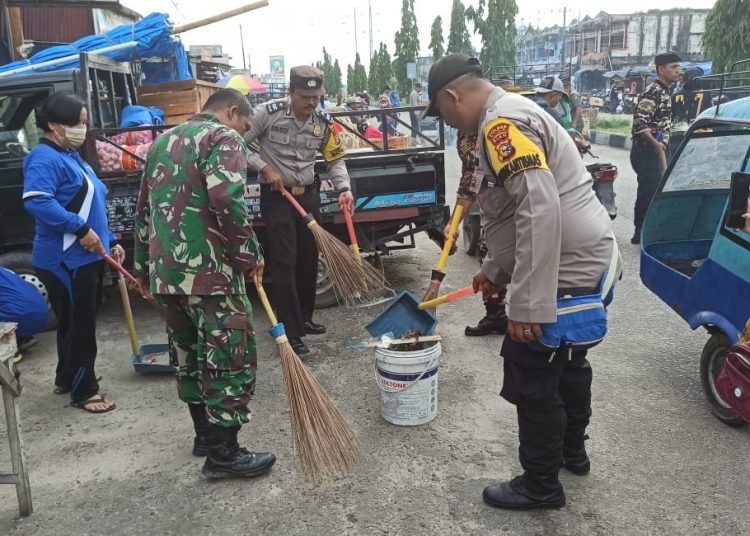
x=666 y=59
x=306 y=81
x=446 y=70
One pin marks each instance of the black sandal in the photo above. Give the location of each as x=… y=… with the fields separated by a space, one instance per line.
x=96 y=399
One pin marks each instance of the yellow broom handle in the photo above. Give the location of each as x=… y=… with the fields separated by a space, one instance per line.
x=125 y=297
x=457 y=213
x=265 y=302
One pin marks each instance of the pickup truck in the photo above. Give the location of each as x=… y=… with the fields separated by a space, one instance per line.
x=400 y=191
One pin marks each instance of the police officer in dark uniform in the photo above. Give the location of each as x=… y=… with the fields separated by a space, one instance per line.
x=652 y=123
x=291 y=132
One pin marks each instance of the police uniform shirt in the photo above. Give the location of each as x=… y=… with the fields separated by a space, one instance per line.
x=290 y=145
x=545 y=228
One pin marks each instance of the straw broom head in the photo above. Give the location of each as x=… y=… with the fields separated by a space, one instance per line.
x=433 y=289
x=325 y=443
x=355 y=281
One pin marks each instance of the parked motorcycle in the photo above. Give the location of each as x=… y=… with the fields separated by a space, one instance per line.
x=604 y=175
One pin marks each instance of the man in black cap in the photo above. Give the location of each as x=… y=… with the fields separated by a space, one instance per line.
x=548 y=237
x=652 y=123
x=291 y=132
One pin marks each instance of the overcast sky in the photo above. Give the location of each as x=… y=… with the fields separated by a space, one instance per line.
x=299 y=29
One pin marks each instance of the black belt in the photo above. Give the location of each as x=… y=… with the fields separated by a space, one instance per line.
x=294 y=190
x=575 y=292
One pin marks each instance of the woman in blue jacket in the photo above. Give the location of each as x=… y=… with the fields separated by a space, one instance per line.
x=67 y=200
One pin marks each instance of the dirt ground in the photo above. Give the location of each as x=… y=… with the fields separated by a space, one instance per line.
x=661 y=464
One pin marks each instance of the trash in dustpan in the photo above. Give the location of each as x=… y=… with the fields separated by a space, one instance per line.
x=152 y=358
x=403 y=317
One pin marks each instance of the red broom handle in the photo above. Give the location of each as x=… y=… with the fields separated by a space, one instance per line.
x=350 y=228
x=117 y=266
x=445 y=298
x=294 y=202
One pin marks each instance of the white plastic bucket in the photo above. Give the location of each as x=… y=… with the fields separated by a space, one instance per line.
x=408 y=383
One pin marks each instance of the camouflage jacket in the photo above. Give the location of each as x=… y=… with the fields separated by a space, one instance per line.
x=467 y=146
x=654 y=112
x=192 y=231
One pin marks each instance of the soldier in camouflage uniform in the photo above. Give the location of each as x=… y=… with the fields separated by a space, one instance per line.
x=495 y=319
x=196 y=245
x=652 y=123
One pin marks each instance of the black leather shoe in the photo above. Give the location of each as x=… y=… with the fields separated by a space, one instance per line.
x=526 y=493
x=200 y=446
x=227 y=459
x=495 y=321
x=636 y=237
x=227 y=462
x=298 y=346
x=311 y=328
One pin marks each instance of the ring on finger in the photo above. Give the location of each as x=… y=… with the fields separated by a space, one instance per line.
x=527 y=333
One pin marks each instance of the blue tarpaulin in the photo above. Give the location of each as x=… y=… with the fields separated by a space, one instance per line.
x=152 y=33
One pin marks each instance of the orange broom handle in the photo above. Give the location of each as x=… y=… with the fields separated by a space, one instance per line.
x=445 y=298
x=294 y=202
x=117 y=266
x=350 y=228
x=457 y=214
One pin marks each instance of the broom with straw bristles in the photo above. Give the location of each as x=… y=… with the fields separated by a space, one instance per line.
x=326 y=444
x=354 y=281
x=439 y=274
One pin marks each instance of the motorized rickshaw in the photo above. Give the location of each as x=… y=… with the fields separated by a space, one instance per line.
x=694 y=256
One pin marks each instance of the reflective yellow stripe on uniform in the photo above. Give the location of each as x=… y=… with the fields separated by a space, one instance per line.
x=509 y=151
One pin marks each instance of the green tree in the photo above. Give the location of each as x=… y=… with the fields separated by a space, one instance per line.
x=359 y=77
x=459 y=40
x=727 y=35
x=381 y=70
x=495 y=21
x=436 y=39
x=350 y=81
x=407 y=45
x=329 y=76
x=335 y=79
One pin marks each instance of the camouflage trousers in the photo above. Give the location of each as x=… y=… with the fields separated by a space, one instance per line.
x=211 y=341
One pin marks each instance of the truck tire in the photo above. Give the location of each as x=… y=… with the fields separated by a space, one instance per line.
x=20 y=263
x=472 y=230
x=712 y=361
x=325 y=294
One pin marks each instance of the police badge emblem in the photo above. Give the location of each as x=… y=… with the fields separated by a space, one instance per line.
x=317 y=131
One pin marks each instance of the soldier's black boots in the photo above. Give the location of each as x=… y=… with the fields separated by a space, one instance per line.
x=200 y=423
x=526 y=492
x=226 y=459
x=575 y=458
x=495 y=321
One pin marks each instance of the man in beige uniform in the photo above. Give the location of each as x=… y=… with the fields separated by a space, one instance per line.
x=547 y=237
x=291 y=132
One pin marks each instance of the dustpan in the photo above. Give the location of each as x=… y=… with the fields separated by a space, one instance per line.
x=403 y=317
x=148 y=358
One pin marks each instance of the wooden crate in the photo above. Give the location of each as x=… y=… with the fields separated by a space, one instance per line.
x=179 y=100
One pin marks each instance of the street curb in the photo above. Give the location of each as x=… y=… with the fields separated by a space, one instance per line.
x=619 y=141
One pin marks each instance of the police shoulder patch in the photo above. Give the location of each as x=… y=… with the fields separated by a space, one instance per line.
x=277 y=106
x=509 y=151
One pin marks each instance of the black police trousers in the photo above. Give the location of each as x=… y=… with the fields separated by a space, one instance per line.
x=293 y=257
x=552 y=399
x=76 y=327
x=647 y=167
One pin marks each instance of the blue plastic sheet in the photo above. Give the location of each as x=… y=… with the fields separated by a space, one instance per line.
x=152 y=34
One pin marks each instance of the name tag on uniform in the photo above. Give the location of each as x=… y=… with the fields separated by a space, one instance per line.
x=298 y=190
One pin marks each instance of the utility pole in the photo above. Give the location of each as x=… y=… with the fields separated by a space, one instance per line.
x=369 y=7
x=356 y=47
x=562 y=49
x=242 y=44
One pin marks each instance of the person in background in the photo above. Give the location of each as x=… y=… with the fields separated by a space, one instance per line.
x=68 y=203
x=389 y=124
x=339 y=98
x=22 y=304
x=505 y=82
x=366 y=97
x=548 y=95
x=394 y=98
x=415 y=116
x=575 y=104
x=194 y=247
x=291 y=133
x=652 y=125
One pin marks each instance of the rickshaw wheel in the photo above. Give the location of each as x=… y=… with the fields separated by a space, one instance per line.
x=712 y=361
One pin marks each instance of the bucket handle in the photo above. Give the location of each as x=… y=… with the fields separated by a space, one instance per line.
x=434 y=361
